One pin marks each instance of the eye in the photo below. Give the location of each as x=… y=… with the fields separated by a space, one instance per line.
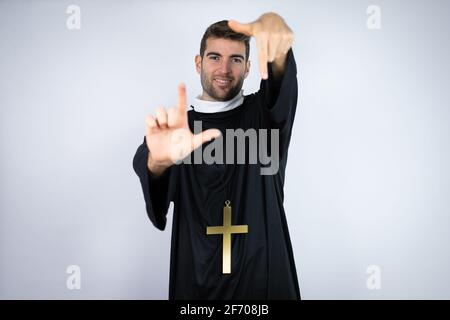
x=215 y=58
x=237 y=60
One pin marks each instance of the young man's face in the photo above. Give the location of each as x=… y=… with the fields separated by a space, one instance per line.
x=222 y=69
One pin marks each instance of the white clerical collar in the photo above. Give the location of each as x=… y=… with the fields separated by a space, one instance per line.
x=204 y=106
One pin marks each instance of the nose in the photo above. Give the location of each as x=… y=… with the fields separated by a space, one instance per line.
x=225 y=66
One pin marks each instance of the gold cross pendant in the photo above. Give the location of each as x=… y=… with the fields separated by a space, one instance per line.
x=226 y=230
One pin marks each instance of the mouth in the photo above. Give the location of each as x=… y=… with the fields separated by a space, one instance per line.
x=222 y=83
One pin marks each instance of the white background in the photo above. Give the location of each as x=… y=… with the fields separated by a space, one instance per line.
x=368 y=179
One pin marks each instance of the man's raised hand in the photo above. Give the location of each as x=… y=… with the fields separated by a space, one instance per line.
x=273 y=38
x=168 y=137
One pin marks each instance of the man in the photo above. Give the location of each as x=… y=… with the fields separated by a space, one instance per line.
x=229 y=236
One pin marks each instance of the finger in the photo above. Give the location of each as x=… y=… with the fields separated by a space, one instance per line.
x=181 y=97
x=172 y=117
x=261 y=42
x=205 y=136
x=150 y=122
x=244 y=28
x=150 y=125
x=161 y=117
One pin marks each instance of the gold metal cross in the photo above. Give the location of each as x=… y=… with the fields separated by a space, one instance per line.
x=226 y=230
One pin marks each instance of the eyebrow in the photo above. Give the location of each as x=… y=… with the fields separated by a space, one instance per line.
x=218 y=54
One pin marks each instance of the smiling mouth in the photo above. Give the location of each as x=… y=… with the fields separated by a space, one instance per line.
x=222 y=82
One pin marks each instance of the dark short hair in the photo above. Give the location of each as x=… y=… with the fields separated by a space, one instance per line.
x=221 y=30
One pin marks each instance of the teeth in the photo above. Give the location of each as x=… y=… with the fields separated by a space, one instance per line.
x=222 y=81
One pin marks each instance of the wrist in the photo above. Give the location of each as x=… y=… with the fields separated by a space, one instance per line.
x=279 y=66
x=156 y=168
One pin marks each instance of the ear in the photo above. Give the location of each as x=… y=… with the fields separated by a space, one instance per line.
x=247 y=69
x=198 y=63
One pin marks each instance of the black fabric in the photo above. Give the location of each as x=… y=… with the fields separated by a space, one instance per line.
x=262 y=261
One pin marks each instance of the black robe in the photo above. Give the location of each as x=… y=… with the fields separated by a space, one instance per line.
x=262 y=261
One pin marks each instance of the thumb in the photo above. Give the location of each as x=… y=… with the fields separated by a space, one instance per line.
x=205 y=136
x=244 y=28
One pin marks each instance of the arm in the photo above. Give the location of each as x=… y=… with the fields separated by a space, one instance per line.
x=158 y=190
x=168 y=139
x=278 y=89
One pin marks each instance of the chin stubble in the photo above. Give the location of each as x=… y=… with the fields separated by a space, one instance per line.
x=211 y=91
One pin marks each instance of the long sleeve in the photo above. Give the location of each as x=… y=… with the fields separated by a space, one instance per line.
x=279 y=98
x=158 y=192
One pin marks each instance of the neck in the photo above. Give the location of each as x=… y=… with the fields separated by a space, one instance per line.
x=204 y=103
x=206 y=97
